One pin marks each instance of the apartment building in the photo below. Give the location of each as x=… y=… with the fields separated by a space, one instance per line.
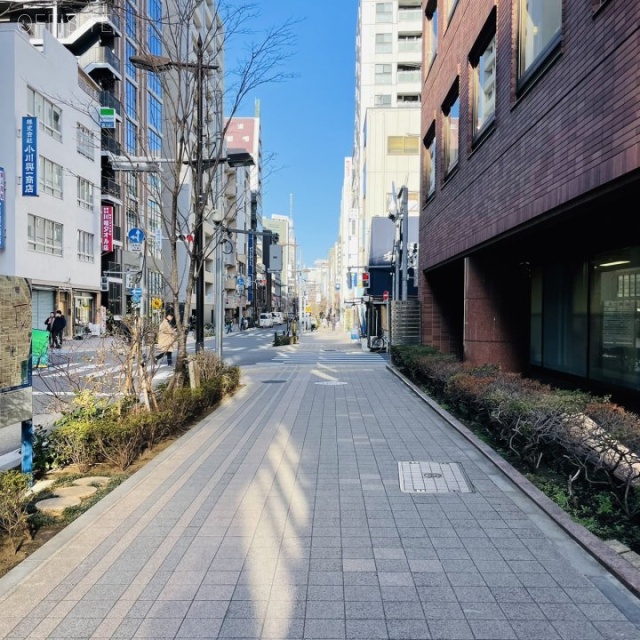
x=49 y=176
x=386 y=150
x=529 y=240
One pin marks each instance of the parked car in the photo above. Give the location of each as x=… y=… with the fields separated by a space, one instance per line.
x=277 y=316
x=265 y=320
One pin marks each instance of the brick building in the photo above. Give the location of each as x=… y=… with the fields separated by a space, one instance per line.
x=530 y=177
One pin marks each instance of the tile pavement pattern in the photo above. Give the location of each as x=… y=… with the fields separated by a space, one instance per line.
x=281 y=516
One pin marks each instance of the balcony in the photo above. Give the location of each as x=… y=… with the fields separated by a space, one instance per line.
x=409 y=15
x=111 y=189
x=91 y=24
x=108 y=99
x=230 y=284
x=101 y=60
x=109 y=144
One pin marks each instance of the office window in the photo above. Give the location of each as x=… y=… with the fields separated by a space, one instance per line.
x=384 y=43
x=131 y=136
x=384 y=12
x=540 y=23
x=431 y=33
x=451 y=130
x=483 y=79
x=131 y=100
x=44 y=236
x=85 y=194
x=130 y=20
x=382 y=100
x=85 y=142
x=155 y=10
x=86 y=242
x=429 y=161
x=130 y=68
x=48 y=114
x=50 y=178
x=154 y=116
x=155 y=143
x=155 y=48
x=383 y=74
x=403 y=145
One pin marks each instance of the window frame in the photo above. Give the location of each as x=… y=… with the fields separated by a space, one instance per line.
x=402 y=147
x=50 y=241
x=430 y=36
x=540 y=60
x=430 y=161
x=85 y=142
x=40 y=107
x=379 y=75
x=386 y=46
x=478 y=51
x=379 y=13
x=85 y=194
x=452 y=102
x=50 y=175
x=86 y=246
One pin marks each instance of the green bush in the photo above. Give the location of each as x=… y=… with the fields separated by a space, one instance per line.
x=14 y=518
x=120 y=442
x=74 y=442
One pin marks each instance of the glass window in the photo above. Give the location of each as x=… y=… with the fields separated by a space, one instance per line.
x=540 y=23
x=50 y=178
x=154 y=116
x=155 y=48
x=131 y=100
x=48 y=114
x=130 y=20
x=85 y=142
x=383 y=74
x=130 y=68
x=86 y=242
x=409 y=43
x=382 y=100
x=44 y=236
x=155 y=10
x=429 y=160
x=85 y=194
x=155 y=143
x=384 y=43
x=131 y=137
x=431 y=34
x=403 y=145
x=484 y=81
x=384 y=12
x=451 y=112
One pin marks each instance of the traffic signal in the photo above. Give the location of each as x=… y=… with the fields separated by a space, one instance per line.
x=104 y=283
x=365 y=279
x=275 y=238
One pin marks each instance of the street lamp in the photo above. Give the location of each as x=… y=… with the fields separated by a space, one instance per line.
x=158 y=64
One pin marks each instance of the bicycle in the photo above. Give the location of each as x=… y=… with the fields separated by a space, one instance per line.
x=379 y=343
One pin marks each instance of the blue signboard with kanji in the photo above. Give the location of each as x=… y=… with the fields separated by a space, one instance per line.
x=29 y=156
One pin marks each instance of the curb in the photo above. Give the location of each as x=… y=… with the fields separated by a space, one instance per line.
x=625 y=572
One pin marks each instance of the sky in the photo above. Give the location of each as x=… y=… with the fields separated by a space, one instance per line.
x=308 y=121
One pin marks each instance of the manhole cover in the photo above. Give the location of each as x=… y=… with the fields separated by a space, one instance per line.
x=331 y=383
x=272 y=381
x=433 y=477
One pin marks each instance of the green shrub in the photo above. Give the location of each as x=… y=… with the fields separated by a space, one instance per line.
x=120 y=442
x=74 y=442
x=14 y=517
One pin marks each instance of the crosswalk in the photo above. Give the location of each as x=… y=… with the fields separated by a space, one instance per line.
x=329 y=357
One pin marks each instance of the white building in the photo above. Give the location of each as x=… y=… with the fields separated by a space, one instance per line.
x=54 y=238
x=387 y=132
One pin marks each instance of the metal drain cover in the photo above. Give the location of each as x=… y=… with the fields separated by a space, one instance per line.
x=433 y=477
x=272 y=381
x=331 y=383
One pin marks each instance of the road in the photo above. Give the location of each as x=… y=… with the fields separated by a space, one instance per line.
x=95 y=363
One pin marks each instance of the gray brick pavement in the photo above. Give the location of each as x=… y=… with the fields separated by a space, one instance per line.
x=281 y=516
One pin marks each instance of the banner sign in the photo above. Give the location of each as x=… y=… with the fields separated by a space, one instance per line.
x=250 y=272
x=2 y=187
x=29 y=156
x=107 y=229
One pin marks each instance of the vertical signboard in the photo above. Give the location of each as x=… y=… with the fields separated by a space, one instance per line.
x=250 y=273
x=107 y=229
x=29 y=156
x=2 y=214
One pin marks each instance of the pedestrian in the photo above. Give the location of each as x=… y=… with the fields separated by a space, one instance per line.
x=229 y=325
x=166 y=338
x=59 y=323
x=49 y=325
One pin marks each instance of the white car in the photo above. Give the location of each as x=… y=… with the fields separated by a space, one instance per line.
x=265 y=320
x=277 y=316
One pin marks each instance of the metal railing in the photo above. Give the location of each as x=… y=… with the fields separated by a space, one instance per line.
x=111 y=187
x=108 y=99
x=100 y=55
x=108 y=143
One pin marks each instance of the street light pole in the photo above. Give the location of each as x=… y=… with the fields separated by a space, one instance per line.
x=198 y=248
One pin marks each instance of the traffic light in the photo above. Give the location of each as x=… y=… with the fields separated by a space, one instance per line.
x=104 y=283
x=275 y=238
x=365 y=279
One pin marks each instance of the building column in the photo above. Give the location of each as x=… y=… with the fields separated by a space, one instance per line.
x=496 y=295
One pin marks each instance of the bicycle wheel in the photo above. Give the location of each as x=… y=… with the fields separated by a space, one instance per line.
x=377 y=342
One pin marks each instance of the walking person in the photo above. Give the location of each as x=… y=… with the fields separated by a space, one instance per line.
x=49 y=325
x=59 y=323
x=167 y=334
x=229 y=324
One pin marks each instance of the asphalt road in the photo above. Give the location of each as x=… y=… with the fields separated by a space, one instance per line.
x=95 y=363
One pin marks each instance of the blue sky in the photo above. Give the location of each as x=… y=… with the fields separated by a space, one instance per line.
x=307 y=122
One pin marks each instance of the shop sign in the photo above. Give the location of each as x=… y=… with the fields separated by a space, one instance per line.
x=29 y=156
x=107 y=229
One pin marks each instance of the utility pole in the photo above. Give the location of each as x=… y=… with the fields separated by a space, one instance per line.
x=404 y=237
x=198 y=248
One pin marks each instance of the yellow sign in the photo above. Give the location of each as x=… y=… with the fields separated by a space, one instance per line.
x=307 y=309
x=156 y=303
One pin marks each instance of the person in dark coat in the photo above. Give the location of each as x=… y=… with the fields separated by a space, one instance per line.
x=59 y=323
x=49 y=325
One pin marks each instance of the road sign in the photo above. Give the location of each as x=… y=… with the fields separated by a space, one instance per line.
x=385 y=296
x=240 y=281
x=136 y=292
x=135 y=235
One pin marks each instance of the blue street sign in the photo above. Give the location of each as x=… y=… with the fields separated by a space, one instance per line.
x=137 y=292
x=136 y=235
x=240 y=281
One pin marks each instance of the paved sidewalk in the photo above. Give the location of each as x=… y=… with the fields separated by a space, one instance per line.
x=282 y=516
